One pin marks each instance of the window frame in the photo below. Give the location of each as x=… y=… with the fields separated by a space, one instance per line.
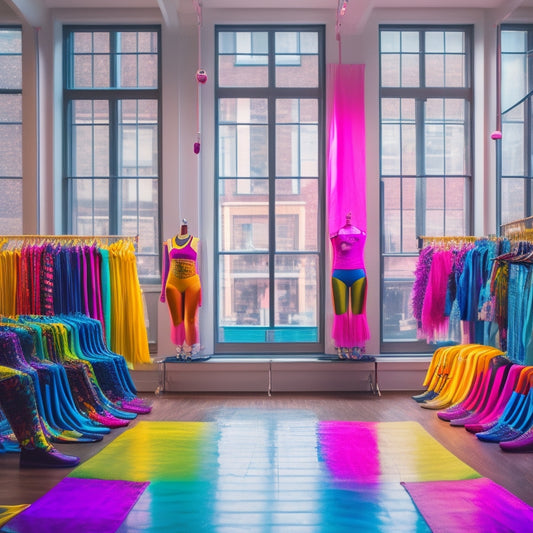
x=113 y=96
x=527 y=100
x=420 y=94
x=272 y=94
x=16 y=92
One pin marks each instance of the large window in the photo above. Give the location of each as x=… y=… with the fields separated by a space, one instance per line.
x=112 y=126
x=11 y=130
x=425 y=106
x=516 y=164
x=269 y=146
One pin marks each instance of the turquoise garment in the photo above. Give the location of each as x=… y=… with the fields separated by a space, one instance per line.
x=106 y=293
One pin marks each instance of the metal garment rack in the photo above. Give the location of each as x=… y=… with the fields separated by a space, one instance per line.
x=80 y=238
x=521 y=229
x=372 y=375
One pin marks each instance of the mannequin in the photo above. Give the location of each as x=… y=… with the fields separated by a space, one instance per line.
x=181 y=290
x=349 y=288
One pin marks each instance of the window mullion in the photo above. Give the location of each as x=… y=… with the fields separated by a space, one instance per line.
x=114 y=215
x=420 y=212
x=272 y=177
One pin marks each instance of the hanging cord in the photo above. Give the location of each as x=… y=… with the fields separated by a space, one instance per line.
x=341 y=10
x=201 y=76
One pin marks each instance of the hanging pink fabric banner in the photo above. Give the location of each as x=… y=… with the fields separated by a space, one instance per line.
x=346 y=203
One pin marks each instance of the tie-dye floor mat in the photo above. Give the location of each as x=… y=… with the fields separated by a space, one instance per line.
x=269 y=471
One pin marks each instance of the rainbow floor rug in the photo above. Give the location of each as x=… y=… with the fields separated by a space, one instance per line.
x=274 y=471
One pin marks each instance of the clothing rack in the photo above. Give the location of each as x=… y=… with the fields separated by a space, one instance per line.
x=105 y=239
x=424 y=239
x=522 y=227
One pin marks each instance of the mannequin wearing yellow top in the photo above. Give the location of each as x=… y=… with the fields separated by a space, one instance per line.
x=181 y=290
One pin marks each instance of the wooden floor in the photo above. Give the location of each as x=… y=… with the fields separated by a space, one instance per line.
x=512 y=471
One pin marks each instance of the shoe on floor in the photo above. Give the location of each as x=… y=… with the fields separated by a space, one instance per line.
x=42 y=458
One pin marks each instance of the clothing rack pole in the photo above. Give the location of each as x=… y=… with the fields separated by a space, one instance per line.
x=518 y=225
x=21 y=237
x=447 y=238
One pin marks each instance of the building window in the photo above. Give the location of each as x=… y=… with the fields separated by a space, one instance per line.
x=269 y=164
x=426 y=177
x=11 y=130
x=516 y=165
x=112 y=166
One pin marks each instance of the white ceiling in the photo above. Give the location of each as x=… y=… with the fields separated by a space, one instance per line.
x=357 y=11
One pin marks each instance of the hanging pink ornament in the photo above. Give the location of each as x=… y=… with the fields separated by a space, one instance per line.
x=201 y=75
x=197 y=144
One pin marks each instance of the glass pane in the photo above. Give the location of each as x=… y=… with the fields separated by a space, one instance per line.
x=390 y=41
x=10 y=58
x=398 y=139
x=82 y=42
x=296 y=59
x=455 y=156
x=83 y=71
x=296 y=290
x=390 y=70
x=300 y=72
x=297 y=213
x=11 y=206
x=455 y=42
x=102 y=71
x=251 y=110
x=434 y=136
x=148 y=71
x=138 y=202
x=297 y=150
x=409 y=232
x=243 y=290
x=243 y=151
x=10 y=149
x=434 y=42
x=410 y=42
x=399 y=203
x=434 y=209
x=513 y=147
x=513 y=199
x=128 y=70
x=297 y=138
x=243 y=215
x=10 y=41
x=10 y=71
x=100 y=42
x=435 y=70
x=243 y=145
x=398 y=322
x=455 y=71
x=127 y=42
x=90 y=138
x=138 y=54
x=410 y=70
x=90 y=207
x=514 y=61
x=243 y=59
x=514 y=41
x=138 y=154
x=390 y=149
x=390 y=109
x=148 y=268
x=408 y=153
x=456 y=208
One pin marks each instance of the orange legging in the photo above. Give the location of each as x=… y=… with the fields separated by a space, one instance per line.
x=183 y=296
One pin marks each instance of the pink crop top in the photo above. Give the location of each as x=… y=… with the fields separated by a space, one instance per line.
x=348 y=251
